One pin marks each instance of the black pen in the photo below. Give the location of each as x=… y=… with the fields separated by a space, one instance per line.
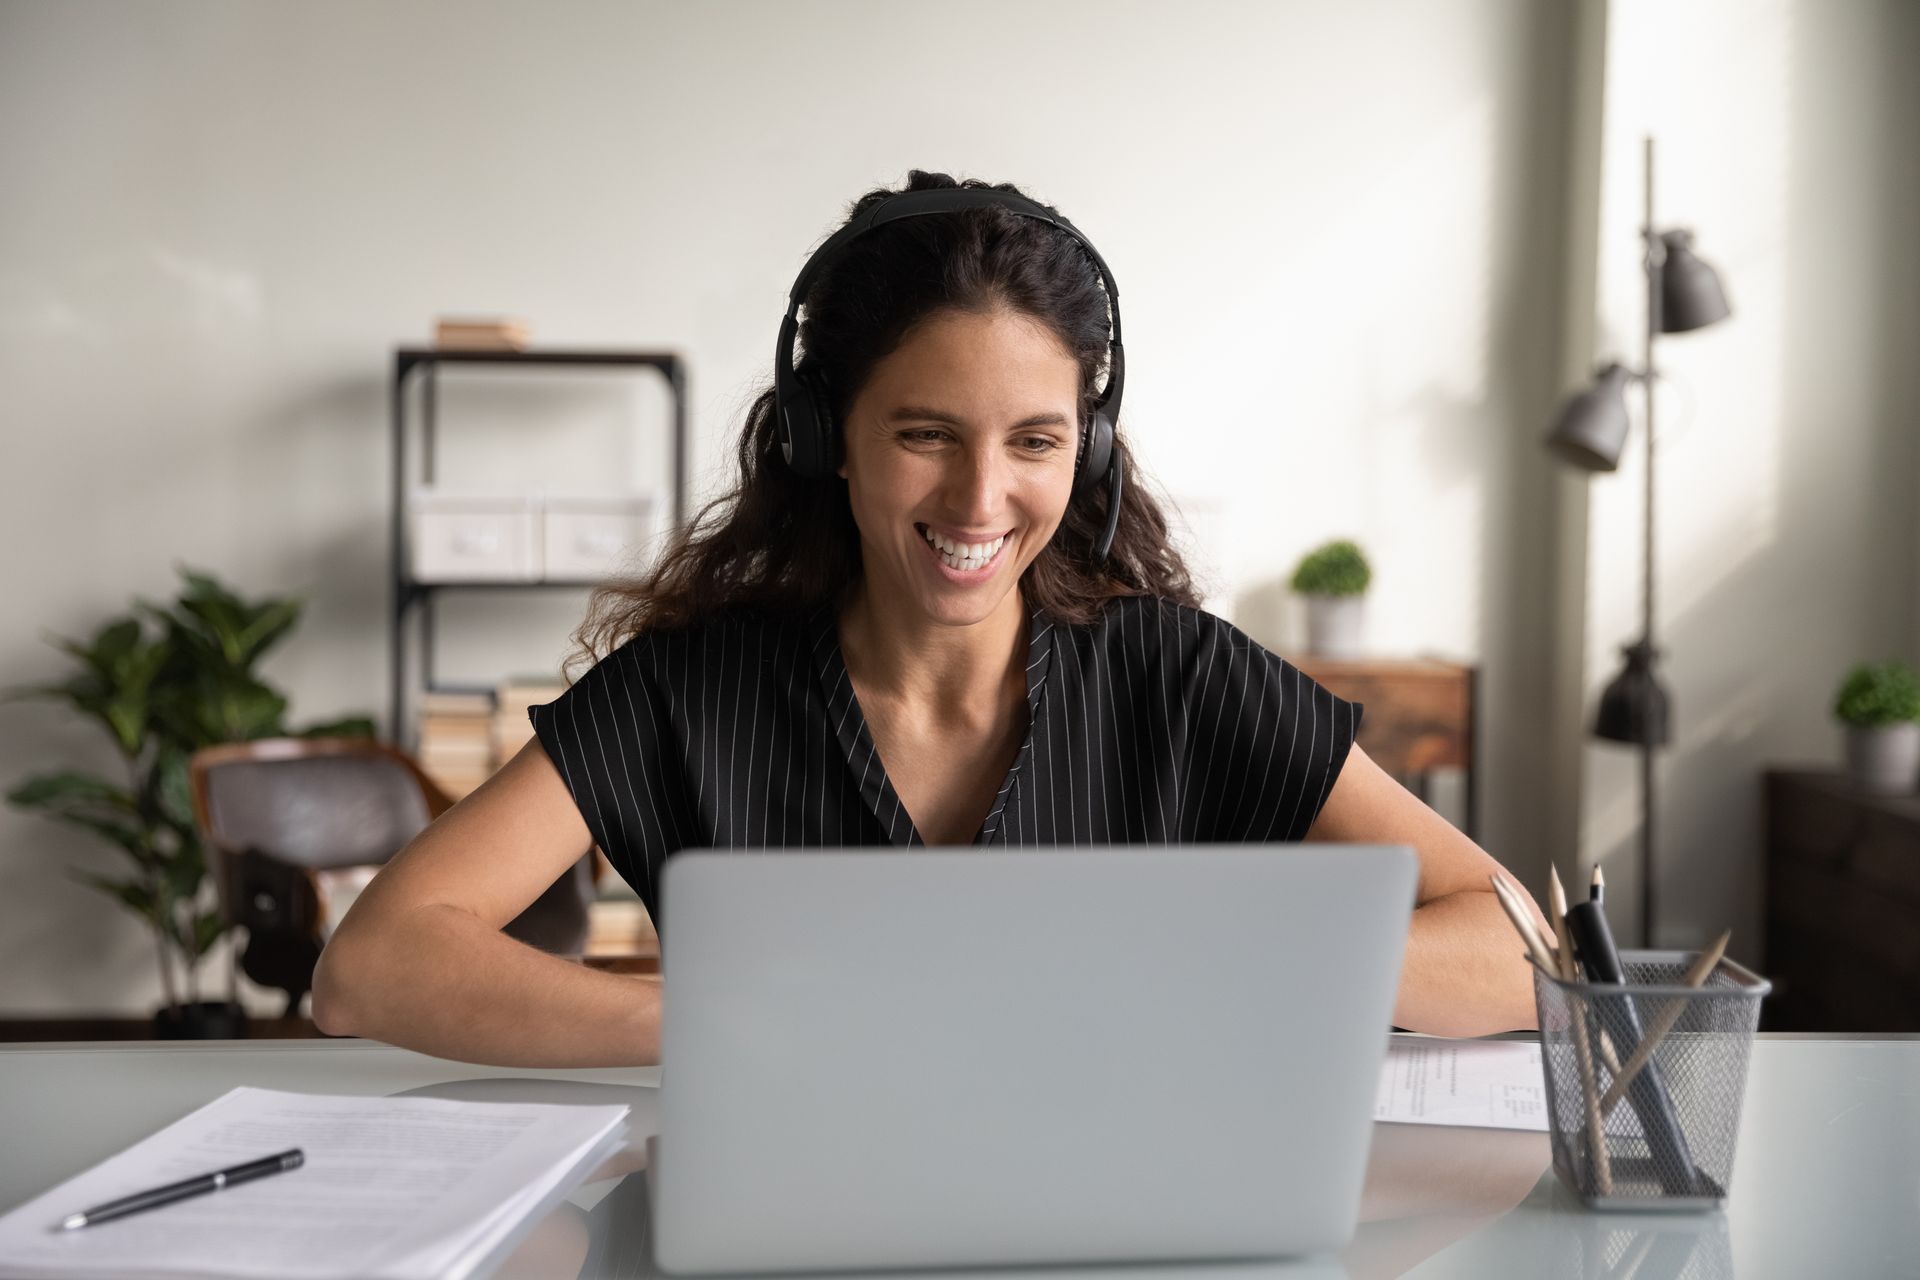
x=1597 y=890
x=1647 y=1095
x=291 y=1158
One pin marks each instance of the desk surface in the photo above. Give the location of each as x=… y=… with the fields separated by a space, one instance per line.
x=1827 y=1181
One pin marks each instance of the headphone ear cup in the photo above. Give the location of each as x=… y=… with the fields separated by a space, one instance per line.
x=1096 y=455
x=811 y=447
x=827 y=431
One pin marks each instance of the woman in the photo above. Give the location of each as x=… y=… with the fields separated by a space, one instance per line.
x=931 y=612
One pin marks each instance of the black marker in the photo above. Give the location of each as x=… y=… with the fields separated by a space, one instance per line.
x=1597 y=889
x=292 y=1158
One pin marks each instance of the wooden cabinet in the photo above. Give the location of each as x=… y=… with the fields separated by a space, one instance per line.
x=1421 y=715
x=1842 y=905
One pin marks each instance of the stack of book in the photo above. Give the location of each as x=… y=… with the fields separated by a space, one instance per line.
x=456 y=741
x=480 y=334
x=620 y=927
x=511 y=727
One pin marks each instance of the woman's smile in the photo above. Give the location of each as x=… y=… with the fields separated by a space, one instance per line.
x=963 y=560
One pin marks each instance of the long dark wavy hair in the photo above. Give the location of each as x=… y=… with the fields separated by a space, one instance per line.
x=782 y=543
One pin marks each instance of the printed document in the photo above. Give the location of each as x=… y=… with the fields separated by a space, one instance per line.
x=1485 y=1084
x=391 y=1187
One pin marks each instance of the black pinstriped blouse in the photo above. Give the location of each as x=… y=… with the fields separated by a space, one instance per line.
x=1157 y=723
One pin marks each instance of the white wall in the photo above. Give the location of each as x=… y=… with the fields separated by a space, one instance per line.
x=1337 y=230
x=1787 y=456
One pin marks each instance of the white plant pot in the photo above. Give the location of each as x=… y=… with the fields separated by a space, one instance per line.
x=1885 y=759
x=1335 y=625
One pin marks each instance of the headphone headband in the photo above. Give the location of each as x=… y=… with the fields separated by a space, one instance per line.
x=804 y=415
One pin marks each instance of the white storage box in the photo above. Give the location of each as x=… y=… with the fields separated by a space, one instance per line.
x=475 y=537
x=591 y=539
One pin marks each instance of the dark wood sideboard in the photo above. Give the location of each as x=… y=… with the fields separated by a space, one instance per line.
x=1422 y=714
x=1842 y=905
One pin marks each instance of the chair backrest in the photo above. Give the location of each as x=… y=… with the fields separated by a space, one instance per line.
x=310 y=802
x=321 y=803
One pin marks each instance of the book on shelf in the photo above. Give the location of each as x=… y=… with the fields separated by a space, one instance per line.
x=481 y=333
x=465 y=735
x=510 y=733
x=516 y=693
x=618 y=927
x=481 y=757
x=455 y=734
x=456 y=702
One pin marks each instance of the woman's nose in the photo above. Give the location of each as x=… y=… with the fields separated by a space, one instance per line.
x=976 y=483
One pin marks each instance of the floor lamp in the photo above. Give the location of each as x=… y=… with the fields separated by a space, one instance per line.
x=1683 y=293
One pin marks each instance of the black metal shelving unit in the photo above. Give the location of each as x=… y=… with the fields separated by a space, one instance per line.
x=422 y=365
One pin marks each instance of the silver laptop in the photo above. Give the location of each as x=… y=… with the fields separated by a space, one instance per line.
x=879 y=1058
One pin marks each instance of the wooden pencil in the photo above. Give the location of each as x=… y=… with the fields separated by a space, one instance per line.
x=1582 y=1046
x=1523 y=924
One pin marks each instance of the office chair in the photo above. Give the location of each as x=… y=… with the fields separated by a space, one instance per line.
x=279 y=815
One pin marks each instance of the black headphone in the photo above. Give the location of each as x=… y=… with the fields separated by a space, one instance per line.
x=809 y=437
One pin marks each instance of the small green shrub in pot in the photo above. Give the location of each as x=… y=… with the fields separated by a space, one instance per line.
x=1334 y=577
x=1338 y=568
x=1879 y=703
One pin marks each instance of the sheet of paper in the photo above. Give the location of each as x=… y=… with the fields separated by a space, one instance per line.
x=1484 y=1084
x=391 y=1187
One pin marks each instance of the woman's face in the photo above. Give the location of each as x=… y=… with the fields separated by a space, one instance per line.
x=959 y=462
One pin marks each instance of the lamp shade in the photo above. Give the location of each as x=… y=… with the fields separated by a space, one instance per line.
x=1690 y=292
x=1634 y=708
x=1593 y=425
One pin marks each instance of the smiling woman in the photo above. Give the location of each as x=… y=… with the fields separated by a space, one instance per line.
x=930 y=612
x=951 y=503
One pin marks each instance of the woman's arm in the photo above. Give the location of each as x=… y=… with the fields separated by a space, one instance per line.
x=420 y=960
x=1465 y=972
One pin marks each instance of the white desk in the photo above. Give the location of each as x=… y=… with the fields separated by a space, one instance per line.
x=1827 y=1182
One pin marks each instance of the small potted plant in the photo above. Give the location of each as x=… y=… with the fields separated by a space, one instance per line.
x=1333 y=578
x=160 y=698
x=1879 y=703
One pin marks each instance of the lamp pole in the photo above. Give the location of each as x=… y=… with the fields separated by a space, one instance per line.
x=1683 y=293
x=1652 y=238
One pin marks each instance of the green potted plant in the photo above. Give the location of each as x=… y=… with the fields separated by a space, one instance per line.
x=160 y=697
x=1879 y=703
x=1334 y=577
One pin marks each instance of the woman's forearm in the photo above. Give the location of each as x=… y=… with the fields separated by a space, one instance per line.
x=1466 y=972
x=438 y=980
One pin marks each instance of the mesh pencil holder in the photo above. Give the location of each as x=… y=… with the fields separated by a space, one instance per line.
x=1644 y=1080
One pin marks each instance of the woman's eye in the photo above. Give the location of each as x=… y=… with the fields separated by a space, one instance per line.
x=925 y=433
x=1040 y=444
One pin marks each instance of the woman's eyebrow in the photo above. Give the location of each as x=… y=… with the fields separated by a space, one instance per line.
x=918 y=413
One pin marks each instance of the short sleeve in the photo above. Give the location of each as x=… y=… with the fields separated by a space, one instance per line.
x=1266 y=740
x=611 y=740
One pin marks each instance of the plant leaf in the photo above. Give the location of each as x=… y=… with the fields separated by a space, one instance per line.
x=207 y=930
x=269 y=622
x=183 y=869
x=67 y=789
x=133 y=894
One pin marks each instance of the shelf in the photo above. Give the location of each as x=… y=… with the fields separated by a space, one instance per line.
x=405 y=358
x=409 y=594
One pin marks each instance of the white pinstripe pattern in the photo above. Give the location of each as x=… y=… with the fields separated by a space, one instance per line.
x=637 y=762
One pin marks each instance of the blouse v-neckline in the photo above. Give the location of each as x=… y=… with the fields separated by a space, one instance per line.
x=862 y=754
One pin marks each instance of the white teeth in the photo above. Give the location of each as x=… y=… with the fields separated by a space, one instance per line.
x=964 y=555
